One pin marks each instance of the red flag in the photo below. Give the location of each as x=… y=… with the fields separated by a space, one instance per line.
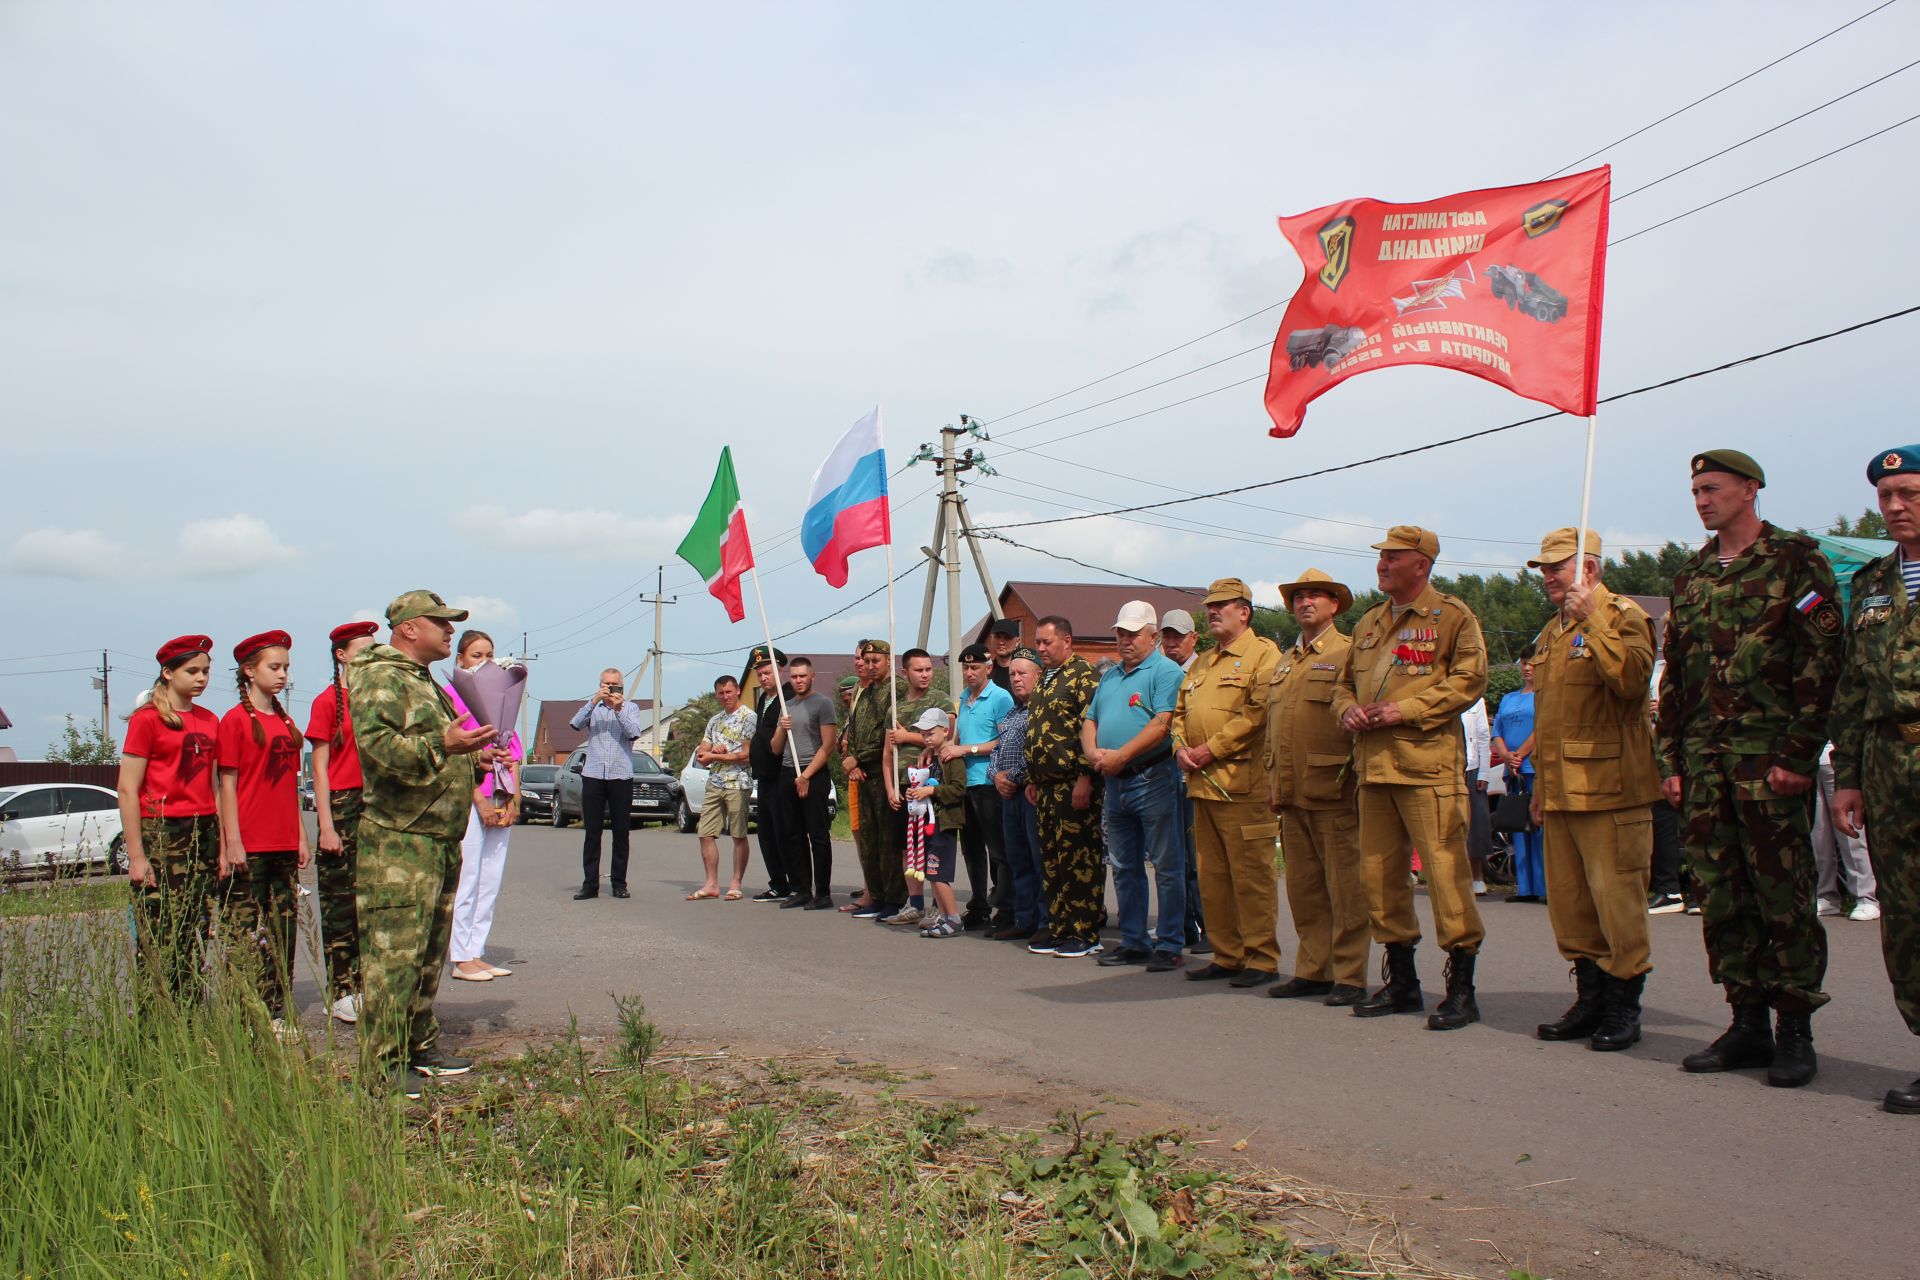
x=1504 y=284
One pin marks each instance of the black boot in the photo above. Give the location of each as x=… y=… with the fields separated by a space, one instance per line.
x=1620 y=1019
x=1399 y=985
x=1793 y=1060
x=1747 y=1043
x=1583 y=1015
x=1458 y=1009
x=1904 y=1101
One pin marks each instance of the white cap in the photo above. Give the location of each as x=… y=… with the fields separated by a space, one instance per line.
x=933 y=718
x=1136 y=615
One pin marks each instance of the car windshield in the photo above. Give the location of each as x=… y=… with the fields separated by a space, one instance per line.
x=539 y=772
x=6 y=797
x=644 y=763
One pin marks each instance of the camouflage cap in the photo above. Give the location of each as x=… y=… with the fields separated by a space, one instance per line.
x=1224 y=590
x=866 y=647
x=1894 y=462
x=1411 y=537
x=1558 y=546
x=1731 y=461
x=421 y=604
x=1025 y=653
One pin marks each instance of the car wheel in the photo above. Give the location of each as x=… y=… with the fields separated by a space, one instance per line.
x=683 y=818
x=559 y=815
x=117 y=856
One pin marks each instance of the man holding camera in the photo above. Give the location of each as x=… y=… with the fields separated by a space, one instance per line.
x=606 y=782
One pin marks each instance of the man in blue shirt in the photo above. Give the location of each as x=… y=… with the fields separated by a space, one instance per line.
x=606 y=781
x=983 y=705
x=1125 y=737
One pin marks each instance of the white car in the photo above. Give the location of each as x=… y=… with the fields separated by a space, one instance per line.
x=45 y=826
x=693 y=791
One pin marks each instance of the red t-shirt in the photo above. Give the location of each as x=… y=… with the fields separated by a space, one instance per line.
x=180 y=762
x=343 y=761
x=269 y=779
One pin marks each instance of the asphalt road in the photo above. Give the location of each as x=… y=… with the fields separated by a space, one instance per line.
x=1723 y=1170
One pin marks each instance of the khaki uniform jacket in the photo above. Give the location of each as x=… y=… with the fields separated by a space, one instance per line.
x=1431 y=661
x=1223 y=703
x=1593 y=738
x=400 y=720
x=1307 y=751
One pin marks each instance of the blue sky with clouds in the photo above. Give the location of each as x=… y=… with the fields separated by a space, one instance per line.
x=301 y=306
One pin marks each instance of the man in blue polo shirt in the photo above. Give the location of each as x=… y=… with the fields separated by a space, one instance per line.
x=983 y=845
x=1125 y=737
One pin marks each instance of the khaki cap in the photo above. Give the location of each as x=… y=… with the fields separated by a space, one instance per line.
x=421 y=604
x=1411 y=537
x=1341 y=593
x=1226 y=589
x=1731 y=461
x=866 y=647
x=1558 y=546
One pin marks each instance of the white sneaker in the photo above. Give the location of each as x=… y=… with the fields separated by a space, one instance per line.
x=1827 y=907
x=347 y=1008
x=1864 y=910
x=1479 y=888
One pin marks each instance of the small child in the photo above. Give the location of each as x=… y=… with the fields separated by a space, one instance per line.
x=949 y=801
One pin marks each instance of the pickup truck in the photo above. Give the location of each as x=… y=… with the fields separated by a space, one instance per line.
x=656 y=796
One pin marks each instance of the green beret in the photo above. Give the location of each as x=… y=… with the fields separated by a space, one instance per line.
x=1731 y=461
x=1894 y=462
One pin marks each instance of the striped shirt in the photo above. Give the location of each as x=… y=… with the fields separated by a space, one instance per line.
x=1010 y=747
x=1910 y=577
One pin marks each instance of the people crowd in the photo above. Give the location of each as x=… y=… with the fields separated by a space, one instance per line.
x=1189 y=771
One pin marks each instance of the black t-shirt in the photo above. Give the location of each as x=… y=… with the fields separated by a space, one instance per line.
x=1002 y=676
x=761 y=761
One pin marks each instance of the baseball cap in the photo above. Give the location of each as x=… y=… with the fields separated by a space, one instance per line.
x=421 y=604
x=1005 y=627
x=1411 y=537
x=1558 y=546
x=933 y=718
x=1136 y=615
x=1178 y=620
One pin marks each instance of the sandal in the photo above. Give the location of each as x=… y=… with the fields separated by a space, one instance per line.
x=848 y=908
x=701 y=895
x=734 y=895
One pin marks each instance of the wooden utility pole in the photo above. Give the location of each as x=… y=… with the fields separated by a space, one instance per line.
x=659 y=599
x=951 y=524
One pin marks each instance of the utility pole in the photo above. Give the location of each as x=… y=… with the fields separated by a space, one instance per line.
x=526 y=660
x=951 y=523
x=659 y=599
x=106 y=702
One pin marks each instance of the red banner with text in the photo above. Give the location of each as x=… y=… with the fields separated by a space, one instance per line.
x=1504 y=284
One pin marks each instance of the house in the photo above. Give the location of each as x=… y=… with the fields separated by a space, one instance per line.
x=554 y=738
x=1090 y=606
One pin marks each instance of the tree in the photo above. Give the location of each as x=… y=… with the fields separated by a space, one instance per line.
x=1647 y=573
x=1869 y=525
x=90 y=745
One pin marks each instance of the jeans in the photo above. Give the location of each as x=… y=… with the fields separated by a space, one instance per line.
x=606 y=801
x=983 y=846
x=1021 y=827
x=1141 y=824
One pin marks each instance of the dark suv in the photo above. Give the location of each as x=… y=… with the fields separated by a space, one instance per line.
x=536 y=790
x=656 y=796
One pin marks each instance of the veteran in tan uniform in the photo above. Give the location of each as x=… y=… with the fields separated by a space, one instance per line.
x=1418 y=660
x=1220 y=727
x=1310 y=785
x=1595 y=781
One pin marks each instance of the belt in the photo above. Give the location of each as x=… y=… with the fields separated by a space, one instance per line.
x=1909 y=732
x=1139 y=767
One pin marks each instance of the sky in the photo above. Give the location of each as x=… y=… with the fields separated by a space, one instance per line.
x=305 y=306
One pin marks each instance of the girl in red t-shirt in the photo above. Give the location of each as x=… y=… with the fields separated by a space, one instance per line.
x=170 y=818
x=337 y=804
x=260 y=806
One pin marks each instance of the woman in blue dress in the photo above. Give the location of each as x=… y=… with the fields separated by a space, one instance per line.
x=1513 y=747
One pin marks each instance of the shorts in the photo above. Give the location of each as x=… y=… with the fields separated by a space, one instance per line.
x=724 y=813
x=941 y=857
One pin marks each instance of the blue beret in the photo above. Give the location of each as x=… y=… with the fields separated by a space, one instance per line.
x=1894 y=462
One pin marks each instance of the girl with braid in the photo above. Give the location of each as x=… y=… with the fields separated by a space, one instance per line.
x=260 y=794
x=170 y=815
x=337 y=802
x=490 y=820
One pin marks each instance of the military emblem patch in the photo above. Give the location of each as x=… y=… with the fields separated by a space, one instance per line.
x=1336 y=239
x=1825 y=618
x=1542 y=218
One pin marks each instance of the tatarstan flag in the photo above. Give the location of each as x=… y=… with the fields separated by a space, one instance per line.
x=717 y=545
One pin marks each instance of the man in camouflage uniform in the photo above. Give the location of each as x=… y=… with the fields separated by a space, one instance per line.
x=1876 y=727
x=1065 y=796
x=1753 y=649
x=881 y=836
x=418 y=788
x=1416 y=662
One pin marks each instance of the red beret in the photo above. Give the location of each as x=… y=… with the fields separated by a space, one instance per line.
x=182 y=646
x=351 y=631
x=265 y=640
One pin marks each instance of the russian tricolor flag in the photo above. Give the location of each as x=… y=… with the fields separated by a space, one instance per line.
x=847 y=506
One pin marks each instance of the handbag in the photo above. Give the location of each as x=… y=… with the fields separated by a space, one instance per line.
x=1514 y=813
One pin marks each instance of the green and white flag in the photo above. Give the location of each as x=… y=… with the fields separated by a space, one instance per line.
x=717 y=545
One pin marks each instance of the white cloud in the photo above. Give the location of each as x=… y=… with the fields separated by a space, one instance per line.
x=586 y=535
x=369 y=615
x=486 y=611
x=228 y=545
x=67 y=553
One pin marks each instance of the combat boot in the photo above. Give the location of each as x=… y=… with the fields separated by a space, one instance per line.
x=1747 y=1043
x=1793 y=1060
x=1399 y=985
x=1583 y=1015
x=1904 y=1100
x=1620 y=1018
x=1459 y=1008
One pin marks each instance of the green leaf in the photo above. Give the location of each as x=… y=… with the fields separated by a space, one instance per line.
x=1045 y=1166
x=1139 y=1216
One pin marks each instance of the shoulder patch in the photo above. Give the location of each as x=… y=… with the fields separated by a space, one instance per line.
x=1826 y=618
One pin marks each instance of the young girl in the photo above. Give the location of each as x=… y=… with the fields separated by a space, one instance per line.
x=260 y=807
x=170 y=817
x=337 y=802
x=483 y=854
x=949 y=799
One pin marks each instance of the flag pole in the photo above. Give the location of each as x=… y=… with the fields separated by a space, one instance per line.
x=1586 y=505
x=779 y=689
x=889 y=759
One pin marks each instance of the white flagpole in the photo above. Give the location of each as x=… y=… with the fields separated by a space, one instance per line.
x=779 y=689
x=1586 y=505
x=889 y=760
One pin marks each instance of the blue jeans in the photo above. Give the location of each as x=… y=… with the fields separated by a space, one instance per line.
x=1021 y=825
x=1529 y=871
x=1141 y=823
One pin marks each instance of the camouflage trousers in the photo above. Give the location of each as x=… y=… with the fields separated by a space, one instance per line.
x=1752 y=857
x=1073 y=870
x=881 y=842
x=175 y=915
x=273 y=886
x=404 y=902
x=333 y=873
x=1892 y=780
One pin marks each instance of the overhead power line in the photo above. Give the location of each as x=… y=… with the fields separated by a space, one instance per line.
x=1461 y=439
x=805 y=626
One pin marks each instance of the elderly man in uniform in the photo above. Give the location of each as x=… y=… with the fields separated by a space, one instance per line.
x=880 y=837
x=1876 y=728
x=418 y=787
x=1416 y=662
x=1595 y=781
x=1220 y=727
x=1065 y=796
x=1753 y=650
x=1311 y=787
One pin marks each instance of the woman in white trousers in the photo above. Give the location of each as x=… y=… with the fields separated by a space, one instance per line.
x=483 y=853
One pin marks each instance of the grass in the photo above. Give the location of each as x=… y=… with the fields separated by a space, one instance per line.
x=186 y=1142
x=62 y=897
